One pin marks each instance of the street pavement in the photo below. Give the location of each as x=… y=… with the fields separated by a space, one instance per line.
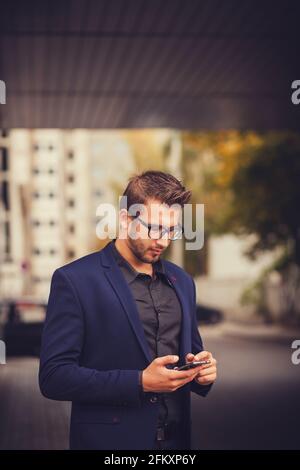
x=255 y=403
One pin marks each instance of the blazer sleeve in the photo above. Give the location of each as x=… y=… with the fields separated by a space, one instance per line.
x=61 y=377
x=197 y=346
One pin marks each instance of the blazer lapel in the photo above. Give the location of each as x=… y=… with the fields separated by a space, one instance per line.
x=122 y=290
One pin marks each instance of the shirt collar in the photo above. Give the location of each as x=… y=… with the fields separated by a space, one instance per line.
x=132 y=273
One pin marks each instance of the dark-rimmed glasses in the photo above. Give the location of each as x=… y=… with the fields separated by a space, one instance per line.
x=155 y=231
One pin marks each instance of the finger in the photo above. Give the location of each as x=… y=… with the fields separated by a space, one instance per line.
x=189 y=357
x=165 y=360
x=184 y=374
x=208 y=371
x=181 y=383
x=206 y=379
x=181 y=375
x=190 y=375
x=213 y=363
x=203 y=355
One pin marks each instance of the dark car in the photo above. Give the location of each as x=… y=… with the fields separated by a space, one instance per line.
x=208 y=315
x=21 y=337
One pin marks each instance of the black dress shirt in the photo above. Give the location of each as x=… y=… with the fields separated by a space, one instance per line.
x=160 y=313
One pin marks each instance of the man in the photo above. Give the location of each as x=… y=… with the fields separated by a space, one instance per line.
x=118 y=322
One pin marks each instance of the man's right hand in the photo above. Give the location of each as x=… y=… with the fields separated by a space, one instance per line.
x=158 y=378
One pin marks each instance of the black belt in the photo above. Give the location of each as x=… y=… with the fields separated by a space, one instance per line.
x=167 y=431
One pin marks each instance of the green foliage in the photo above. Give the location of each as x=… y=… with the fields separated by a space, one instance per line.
x=249 y=183
x=254 y=294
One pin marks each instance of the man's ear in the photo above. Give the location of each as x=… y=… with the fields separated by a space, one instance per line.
x=123 y=223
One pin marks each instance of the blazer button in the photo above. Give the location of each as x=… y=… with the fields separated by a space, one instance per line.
x=153 y=399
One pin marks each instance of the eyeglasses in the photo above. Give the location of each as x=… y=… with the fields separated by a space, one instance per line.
x=156 y=232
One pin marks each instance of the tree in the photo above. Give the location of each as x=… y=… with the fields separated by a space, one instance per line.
x=253 y=187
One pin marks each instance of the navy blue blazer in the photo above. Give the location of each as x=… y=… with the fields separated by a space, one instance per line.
x=93 y=347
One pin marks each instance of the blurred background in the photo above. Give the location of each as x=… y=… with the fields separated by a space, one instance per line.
x=97 y=91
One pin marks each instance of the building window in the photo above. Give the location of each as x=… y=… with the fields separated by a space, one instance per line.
x=35 y=171
x=51 y=195
x=70 y=155
x=36 y=251
x=71 y=178
x=36 y=195
x=71 y=228
x=3 y=159
x=51 y=171
x=36 y=223
x=36 y=147
x=52 y=223
x=5 y=195
x=71 y=203
x=52 y=251
x=7 y=240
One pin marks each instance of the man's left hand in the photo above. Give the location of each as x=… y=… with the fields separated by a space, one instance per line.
x=208 y=372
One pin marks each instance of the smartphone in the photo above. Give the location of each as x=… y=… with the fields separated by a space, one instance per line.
x=192 y=365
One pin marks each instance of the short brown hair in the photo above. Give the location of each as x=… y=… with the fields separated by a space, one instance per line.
x=156 y=185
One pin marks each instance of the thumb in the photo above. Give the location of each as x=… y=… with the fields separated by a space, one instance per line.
x=164 y=360
x=203 y=355
x=189 y=357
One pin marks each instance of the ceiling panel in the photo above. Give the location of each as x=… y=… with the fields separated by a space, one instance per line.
x=149 y=63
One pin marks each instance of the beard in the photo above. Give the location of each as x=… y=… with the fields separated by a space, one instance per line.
x=143 y=253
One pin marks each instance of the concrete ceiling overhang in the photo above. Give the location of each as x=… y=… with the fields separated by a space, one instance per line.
x=149 y=63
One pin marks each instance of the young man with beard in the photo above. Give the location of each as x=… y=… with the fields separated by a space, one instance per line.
x=118 y=322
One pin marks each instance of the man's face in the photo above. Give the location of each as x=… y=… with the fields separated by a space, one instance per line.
x=156 y=215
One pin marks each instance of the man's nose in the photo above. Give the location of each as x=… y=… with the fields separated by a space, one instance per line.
x=163 y=242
